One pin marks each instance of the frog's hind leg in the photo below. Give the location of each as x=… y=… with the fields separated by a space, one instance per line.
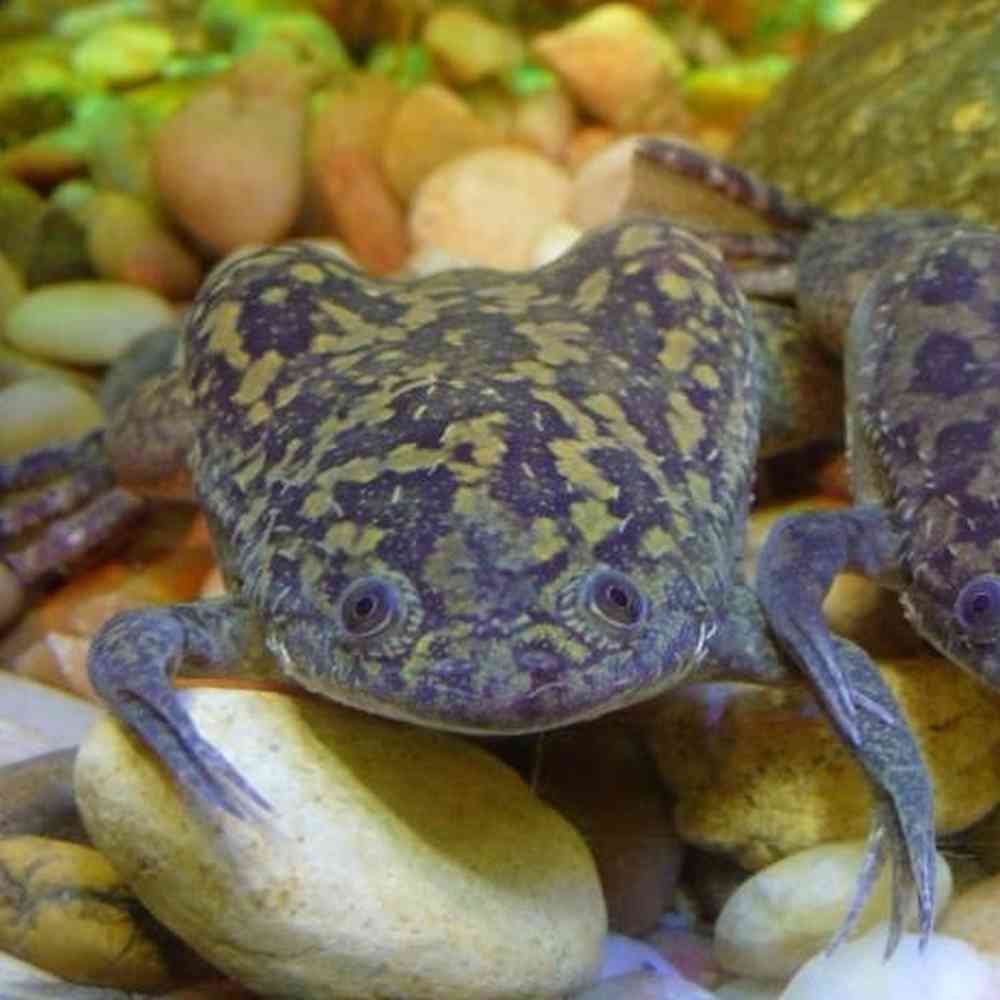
x=739 y=186
x=747 y=203
x=802 y=554
x=132 y=661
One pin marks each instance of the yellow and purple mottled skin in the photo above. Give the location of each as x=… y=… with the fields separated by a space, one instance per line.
x=483 y=501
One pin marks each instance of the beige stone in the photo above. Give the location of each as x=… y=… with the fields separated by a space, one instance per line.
x=760 y=774
x=601 y=184
x=617 y=63
x=74 y=916
x=490 y=205
x=974 y=916
x=84 y=322
x=469 y=46
x=42 y=410
x=788 y=912
x=229 y=164
x=395 y=862
x=428 y=127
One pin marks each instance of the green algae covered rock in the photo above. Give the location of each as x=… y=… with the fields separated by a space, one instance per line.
x=903 y=110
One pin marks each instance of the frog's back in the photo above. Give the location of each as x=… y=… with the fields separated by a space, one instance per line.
x=489 y=438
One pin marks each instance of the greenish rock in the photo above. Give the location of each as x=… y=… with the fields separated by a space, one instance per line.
x=901 y=111
x=37 y=88
x=301 y=35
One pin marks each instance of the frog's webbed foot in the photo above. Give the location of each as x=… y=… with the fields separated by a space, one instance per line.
x=802 y=554
x=71 y=500
x=131 y=663
x=902 y=827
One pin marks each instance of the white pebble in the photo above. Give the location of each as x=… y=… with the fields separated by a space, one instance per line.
x=45 y=718
x=790 y=910
x=948 y=969
x=85 y=322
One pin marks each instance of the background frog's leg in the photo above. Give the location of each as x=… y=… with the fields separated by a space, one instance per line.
x=132 y=661
x=799 y=559
x=84 y=491
x=657 y=162
x=902 y=827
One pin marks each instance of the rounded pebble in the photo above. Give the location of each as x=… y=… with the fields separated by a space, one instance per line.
x=974 y=916
x=74 y=916
x=791 y=910
x=43 y=410
x=491 y=205
x=123 y=52
x=229 y=164
x=396 y=861
x=84 y=322
x=947 y=969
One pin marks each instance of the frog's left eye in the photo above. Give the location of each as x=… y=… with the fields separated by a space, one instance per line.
x=977 y=606
x=368 y=607
x=616 y=599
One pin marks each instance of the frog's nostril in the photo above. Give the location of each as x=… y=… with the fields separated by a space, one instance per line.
x=538 y=661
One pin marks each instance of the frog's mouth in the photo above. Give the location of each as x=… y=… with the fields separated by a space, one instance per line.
x=506 y=687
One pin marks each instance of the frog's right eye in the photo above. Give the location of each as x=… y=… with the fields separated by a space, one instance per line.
x=977 y=606
x=368 y=607
x=615 y=599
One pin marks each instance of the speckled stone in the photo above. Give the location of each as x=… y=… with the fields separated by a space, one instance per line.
x=396 y=861
x=902 y=110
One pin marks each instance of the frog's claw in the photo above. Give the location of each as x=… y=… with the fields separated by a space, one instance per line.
x=902 y=829
x=131 y=662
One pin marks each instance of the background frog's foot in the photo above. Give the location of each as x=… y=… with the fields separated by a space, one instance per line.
x=131 y=662
x=71 y=500
x=738 y=185
x=902 y=830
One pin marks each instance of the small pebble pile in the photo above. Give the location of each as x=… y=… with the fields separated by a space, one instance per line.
x=704 y=847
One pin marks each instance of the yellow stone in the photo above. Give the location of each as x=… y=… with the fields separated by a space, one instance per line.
x=396 y=861
x=760 y=774
x=66 y=910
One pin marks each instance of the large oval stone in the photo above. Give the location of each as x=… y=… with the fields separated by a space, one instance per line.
x=396 y=862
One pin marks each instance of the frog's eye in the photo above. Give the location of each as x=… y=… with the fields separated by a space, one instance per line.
x=615 y=599
x=977 y=606
x=368 y=606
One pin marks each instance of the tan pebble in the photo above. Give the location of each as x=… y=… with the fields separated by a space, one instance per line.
x=428 y=127
x=126 y=242
x=11 y=285
x=379 y=834
x=75 y=917
x=490 y=205
x=616 y=61
x=760 y=774
x=544 y=121
x=229 y=163
x=361 y=209
x=84 y=322
x=469 y=46
x=425 y=261
x=974 y=916
x=46 y=160
x=214 y=585
x=44 y=410
x=553 y=241
x=123 y=52
x=598 y=776
x=585 y=142
x=353 y=113
x=601 y=183
x=791 y=910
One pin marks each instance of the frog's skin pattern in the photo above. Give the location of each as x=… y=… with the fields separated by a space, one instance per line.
x=483 y=501
x=918 y=294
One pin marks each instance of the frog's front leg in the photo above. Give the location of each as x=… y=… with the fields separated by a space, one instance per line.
x=800 y=558
x=132 y=661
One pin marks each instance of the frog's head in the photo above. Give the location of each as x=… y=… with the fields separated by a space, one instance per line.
x=497 y=623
